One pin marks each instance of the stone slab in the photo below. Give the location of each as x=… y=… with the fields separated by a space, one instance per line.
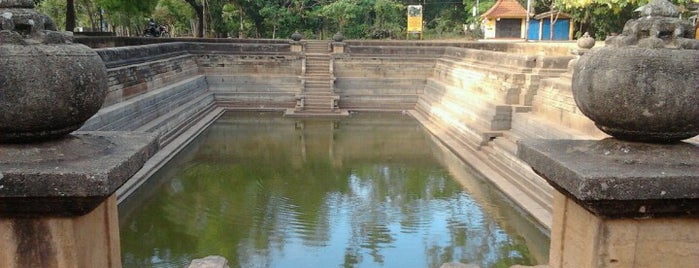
x=69 y=176
x=209 y=262
x=617 y=179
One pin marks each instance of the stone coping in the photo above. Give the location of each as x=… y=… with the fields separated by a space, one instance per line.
x=547 y=48
x=120 y=41
x=69 y=176
x=619 y=179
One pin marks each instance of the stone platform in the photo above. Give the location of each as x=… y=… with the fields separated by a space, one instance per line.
x=620 y=204
x=70 y=176
x=613 y=178
x=311 y=113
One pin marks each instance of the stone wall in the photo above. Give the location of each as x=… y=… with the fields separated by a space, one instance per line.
x=253 y=81
x=134 y=71
x=113 y=41
x=164 y=88
x=376 y=78
x=478 y=98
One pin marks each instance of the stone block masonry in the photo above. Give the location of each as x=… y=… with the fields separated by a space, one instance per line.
x=483 y=97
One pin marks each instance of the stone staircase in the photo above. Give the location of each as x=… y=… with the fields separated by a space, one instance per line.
x=318 y=97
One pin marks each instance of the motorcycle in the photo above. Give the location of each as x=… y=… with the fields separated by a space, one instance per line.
x=153 y=31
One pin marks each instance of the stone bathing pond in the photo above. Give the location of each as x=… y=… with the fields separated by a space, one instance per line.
x=371 y=190
x=367 y=190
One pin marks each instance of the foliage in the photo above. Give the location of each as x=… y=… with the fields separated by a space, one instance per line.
x=175 y=14
x=390 y=20
x=371 y=19
x=56 y=9
x=604 y=17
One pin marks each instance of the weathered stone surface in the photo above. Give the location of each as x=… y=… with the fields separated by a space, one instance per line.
x=25 y=21
x=209 y=262
x=581 y=239
x=69 y=176
x=659 y=8
x=640 y=94
x=586 y=41
x=48 y=91
x=48 y=85
x=90 y=240
x=614 y=178
x=17 y=3
x=644 y=85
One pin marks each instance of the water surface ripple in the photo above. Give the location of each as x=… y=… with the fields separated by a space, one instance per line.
x=373 y=190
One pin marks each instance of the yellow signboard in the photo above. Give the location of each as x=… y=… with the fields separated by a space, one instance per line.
x=415 y=18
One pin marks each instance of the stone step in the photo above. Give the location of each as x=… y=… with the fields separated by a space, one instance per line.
x=317 y=113
x=316 y=97
x=318 y=87
x=319 y=92
x=317 y=47
x=318 y=73
x=324 y=65
x=320 y=104
x=317 y=76
x=317 y=82
x=323 y=103
x=325 y=91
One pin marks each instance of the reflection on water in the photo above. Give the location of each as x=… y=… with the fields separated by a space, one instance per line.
x=373 y=190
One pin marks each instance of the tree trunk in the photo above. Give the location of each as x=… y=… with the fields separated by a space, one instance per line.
x=70 y=15
x=199 y=10
x=90 y=15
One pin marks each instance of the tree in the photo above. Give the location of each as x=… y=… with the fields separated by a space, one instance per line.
x=70 y=15
x=604 y=17
x=56 y=9
x=199 y=11
x=389 y=19
x=176 y=15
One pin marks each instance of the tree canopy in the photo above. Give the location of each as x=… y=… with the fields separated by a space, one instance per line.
x=320 y=18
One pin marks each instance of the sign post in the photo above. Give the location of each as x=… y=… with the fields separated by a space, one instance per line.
x=414 y=20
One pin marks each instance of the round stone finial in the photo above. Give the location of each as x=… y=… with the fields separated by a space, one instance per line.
x=49 y=86
x=586 y=41
x=338 y=37
x=296 y=36
x=643 y=85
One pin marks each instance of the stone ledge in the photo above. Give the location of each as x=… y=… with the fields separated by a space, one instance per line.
x=69 y=176
x=615 y=179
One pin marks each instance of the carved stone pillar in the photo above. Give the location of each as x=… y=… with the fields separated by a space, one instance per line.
x=631 y=200
x=57 y=207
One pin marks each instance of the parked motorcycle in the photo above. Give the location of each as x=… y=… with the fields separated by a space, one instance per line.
x=153 y=30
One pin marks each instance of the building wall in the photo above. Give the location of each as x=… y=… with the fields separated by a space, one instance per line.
x=490 y=28
x=541 y=29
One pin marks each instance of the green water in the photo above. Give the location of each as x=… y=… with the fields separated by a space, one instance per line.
x=373 y=190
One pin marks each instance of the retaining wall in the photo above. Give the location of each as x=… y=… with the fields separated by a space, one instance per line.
x=478 y=98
